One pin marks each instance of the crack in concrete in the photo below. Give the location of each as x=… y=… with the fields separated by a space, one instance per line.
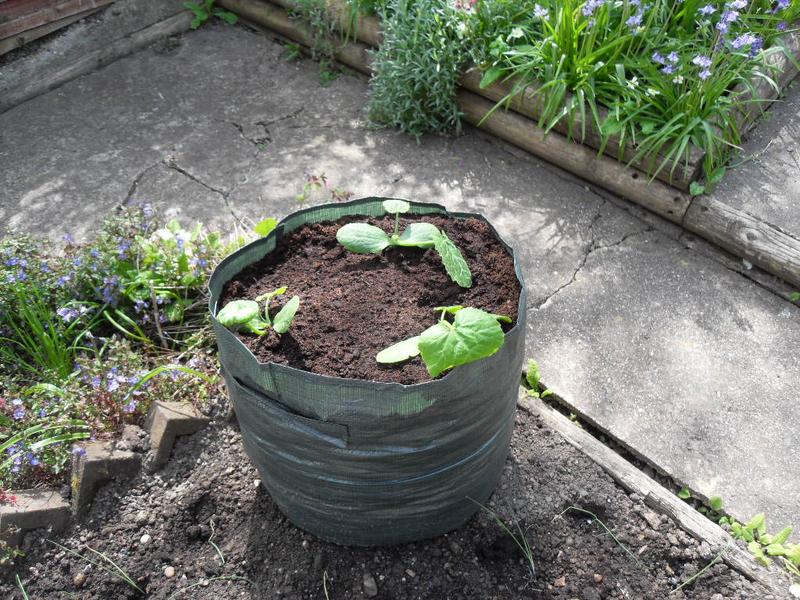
x=258 y=142
x=171 y=164
x=136 y=181
x=590 y=249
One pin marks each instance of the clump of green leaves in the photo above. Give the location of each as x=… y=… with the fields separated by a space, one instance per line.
x=764 y=546
x=473 y=334
x=205 y=9
x=246 y=314
x=316 y=18
x=417 y=66
x=533 y=379
x=363 y=238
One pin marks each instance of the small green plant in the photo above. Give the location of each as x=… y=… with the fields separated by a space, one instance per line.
x=315 y=17
x=605 y=527
x=21 y=587
x=473 y=334
x=107 y=564
x=363 y=238
x=684 y=493
x=205 y=9
x=246 y=314
x=795 y=297
x=417 y=67
x=520 y=538
x=764 y=546
x=533 y=379
x=292 y=51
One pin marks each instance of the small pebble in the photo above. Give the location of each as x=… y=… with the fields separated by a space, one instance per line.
x=145 y=539
x=79 y=579
x=794 y=590
x=598 y=578
x=370 y=586
x=169 y=572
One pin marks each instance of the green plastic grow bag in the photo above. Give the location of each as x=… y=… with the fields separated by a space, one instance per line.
x=363 y=462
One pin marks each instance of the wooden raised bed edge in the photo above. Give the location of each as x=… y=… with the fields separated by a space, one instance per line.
x=528 y=103
x=759 y=242
x=46 y=15
x=655 y=495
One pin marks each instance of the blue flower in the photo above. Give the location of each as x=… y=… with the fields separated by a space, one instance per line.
x=707 y=10
x=78 y=450
x=19 y=413
x=131 y=406
x=67 y=314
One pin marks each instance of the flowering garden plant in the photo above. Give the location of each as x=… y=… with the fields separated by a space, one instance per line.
x=662 y=76
x=85 y=329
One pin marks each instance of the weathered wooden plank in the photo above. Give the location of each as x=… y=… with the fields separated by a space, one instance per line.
x=48 y=14
x=41 y=83
x=745 y=235
x=14 y=42
x=576 y=158
x=656 y=496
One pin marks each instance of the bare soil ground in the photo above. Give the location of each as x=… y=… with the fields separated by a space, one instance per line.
x=158 y=529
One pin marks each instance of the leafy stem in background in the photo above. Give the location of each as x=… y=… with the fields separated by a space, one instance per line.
x=205 y=9
x=363 y=238
x=246 y=314
x=473 y=334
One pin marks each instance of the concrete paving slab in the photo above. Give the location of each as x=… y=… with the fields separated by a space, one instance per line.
x=681 y=358
x=767 y=184
x=689 y=365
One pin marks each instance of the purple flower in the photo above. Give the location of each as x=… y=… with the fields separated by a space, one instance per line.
x=634 y=21
x=540 y=12
x=95 y=253
x=19 y=413
x=782 y=26
x=739 y=4
x=33 y=460
x=591 y=6
x=746 y=39
x=704 y=74
x=96 y=381
x=673 y=57
x=63 y=280
x=42 y=413
x=78 y=450
x=668 y=69
x=112 y=385
x=707 y=10
x=67 y=314
x=131 y=406
x=701 y=61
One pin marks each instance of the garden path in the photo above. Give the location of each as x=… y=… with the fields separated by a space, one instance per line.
x=682 y=359
x=767 y=183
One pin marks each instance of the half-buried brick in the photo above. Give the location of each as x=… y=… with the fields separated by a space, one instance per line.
x=166 y=421
x=33 y=509
x=101 y=462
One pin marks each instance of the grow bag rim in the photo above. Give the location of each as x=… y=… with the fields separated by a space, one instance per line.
x=333 y=380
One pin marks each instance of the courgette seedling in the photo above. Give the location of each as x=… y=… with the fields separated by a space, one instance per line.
x=363 y=238
x=245 y=315
x=473 y=334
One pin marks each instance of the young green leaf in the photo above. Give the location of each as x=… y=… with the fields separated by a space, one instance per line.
x=237 y=313
x=783 y=536
x=696 y=189
x=400 y=351
x=419 y=235
x=363 y=238
x=474 y=334
x=716 y=503
x=451 y=310
x=283 y=320
x=263 y=228
x=453 y=262
x=684 y=494
x=757 y=523
x=396 y=206
x=270 y=295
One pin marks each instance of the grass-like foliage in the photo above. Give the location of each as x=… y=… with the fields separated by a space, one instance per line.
x=416 y=68
x=661 y=78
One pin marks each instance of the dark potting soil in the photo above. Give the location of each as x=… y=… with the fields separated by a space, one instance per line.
x=352 y=306
x=209 y=479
